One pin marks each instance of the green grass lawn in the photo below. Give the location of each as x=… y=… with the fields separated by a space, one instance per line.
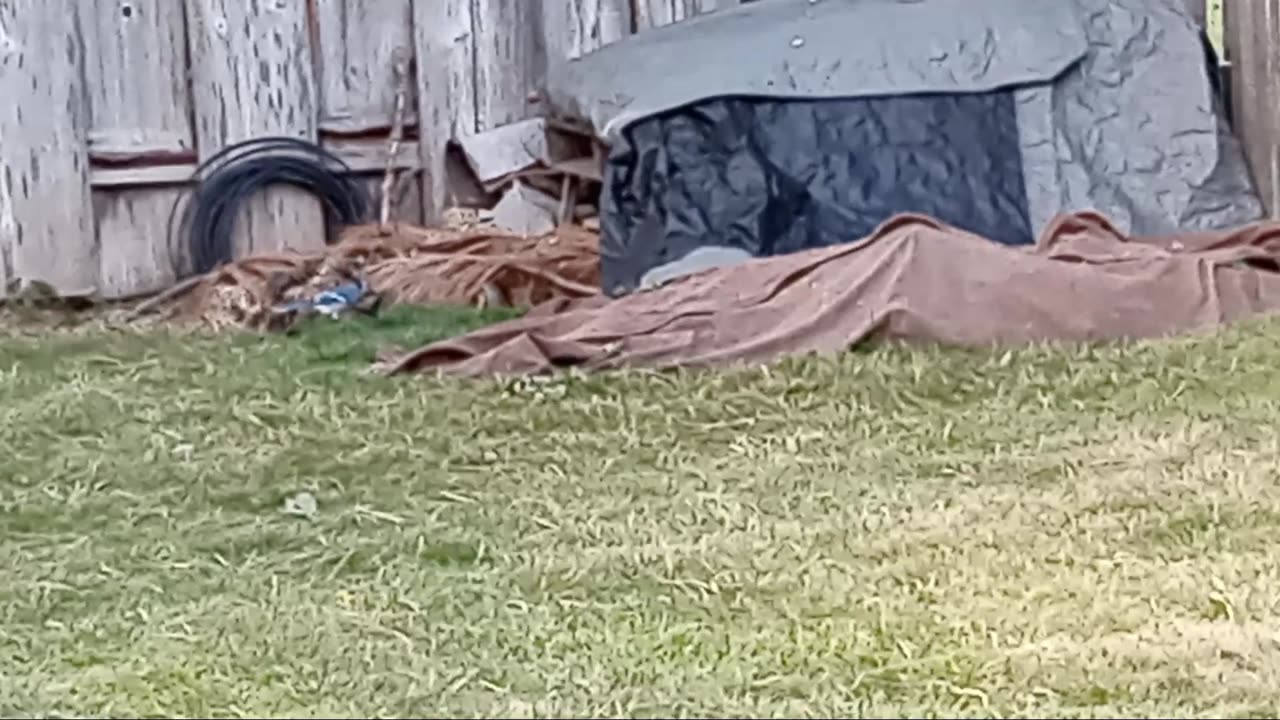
x=1079 y=532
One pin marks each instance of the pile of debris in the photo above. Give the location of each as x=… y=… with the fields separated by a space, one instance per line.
x=366 y=267
x=539 y=171
x=518 y=237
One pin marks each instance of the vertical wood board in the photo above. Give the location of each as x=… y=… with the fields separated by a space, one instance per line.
x=406 y=200
x=139 y=105
x=136 y=76
x=573 y=28
x=510 y=59
x=358 y=41
x=46 y=230
x=253 y=76
x=1253 y=46
x=133 y=235
x=446 y=92
x=656 y=13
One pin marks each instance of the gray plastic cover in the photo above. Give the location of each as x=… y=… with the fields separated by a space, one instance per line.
x=1115 y=109
x=821 y=48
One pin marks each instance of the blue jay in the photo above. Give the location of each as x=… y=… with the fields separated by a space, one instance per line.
x=334 y=302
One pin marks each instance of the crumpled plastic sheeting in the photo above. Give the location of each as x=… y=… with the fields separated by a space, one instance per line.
x=1115 y=113
x=1136 y=131
x=410 y=266
x=815 y=49
x=774 y=178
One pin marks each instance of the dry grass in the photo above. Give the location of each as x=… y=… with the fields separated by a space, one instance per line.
x=1079 y=532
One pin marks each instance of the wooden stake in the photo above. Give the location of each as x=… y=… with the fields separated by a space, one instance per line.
x=400 y=66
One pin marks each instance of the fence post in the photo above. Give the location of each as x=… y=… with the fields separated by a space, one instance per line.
x=46 y=209
x=1253 y=47
x=444 y=38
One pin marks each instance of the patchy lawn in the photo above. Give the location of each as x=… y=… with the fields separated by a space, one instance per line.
x=1054 y=533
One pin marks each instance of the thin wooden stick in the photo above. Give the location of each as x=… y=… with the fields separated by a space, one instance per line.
x=173 y=293
x=400 y=67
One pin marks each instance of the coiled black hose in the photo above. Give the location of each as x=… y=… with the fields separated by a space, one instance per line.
x=230 y=177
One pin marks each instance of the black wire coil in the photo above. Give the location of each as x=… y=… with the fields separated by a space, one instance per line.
x=226 y=180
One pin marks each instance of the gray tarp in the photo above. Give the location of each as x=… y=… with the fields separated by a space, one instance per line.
x=1115 y=111
x=824 y=49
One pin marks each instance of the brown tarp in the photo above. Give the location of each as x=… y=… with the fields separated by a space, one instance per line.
x=914 y=279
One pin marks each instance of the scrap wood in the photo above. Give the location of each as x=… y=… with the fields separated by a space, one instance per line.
x=525 y=209
x=412 y=265
x=495 y=155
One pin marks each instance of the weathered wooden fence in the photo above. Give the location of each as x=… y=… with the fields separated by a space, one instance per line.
x=106 y=107
x=1252 y=38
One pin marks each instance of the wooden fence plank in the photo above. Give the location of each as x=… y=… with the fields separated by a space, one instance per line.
x=1253 y=47
x=360 y=154
x=442 y=32
x=656 y=13
x=133 y=233
x=253 y=75
x=139 y=106
x=406 y=205
x=46 y=230
x=136 y=75
x=133 y=237
x=510 y=58
x=573 y=28
x=357 y=41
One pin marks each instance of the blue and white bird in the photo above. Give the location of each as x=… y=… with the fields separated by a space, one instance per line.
x=332 y=302
x=335 y=301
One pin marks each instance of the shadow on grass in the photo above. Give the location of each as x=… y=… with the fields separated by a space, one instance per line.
x=356 y=340
x=317 y=343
